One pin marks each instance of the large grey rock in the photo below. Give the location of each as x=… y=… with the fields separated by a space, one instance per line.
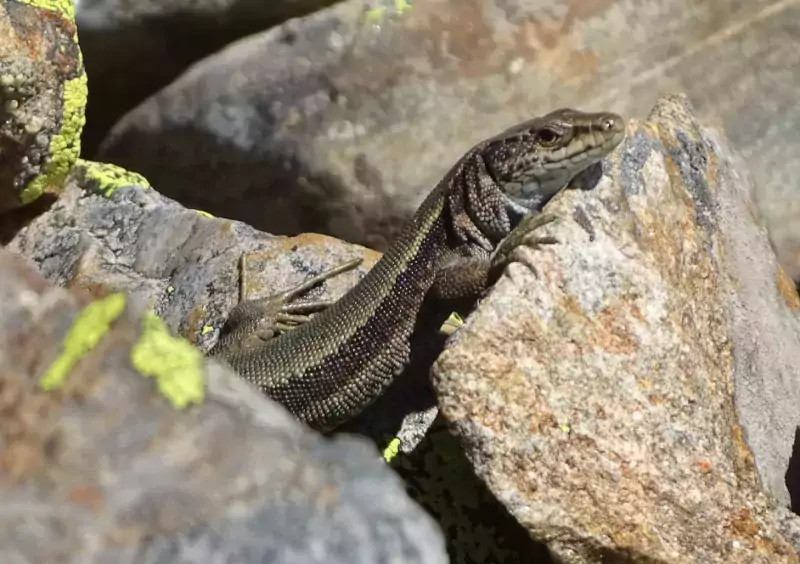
x=631 y=394
x=120 y=443
x=340 y=122
x=159 y=39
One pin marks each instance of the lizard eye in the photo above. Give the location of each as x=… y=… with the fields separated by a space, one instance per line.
x=548 y=137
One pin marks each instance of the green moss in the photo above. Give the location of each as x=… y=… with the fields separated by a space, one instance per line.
x=174 y=363
x=106 y=178
x=89 y=327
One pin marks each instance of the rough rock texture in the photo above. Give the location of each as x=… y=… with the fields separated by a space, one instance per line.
x=630 y=397
x=42 y=98
x=98 y=465
x=107 y=232
x=355 y=115
x=160 y=38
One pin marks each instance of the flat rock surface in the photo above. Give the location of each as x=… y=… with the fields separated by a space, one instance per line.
x=634 y=395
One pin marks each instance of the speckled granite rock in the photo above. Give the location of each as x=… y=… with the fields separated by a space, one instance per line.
x=121 y=444
x=42 y=98
x=634 y=397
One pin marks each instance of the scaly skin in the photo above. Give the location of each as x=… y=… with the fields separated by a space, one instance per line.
x=328 y=369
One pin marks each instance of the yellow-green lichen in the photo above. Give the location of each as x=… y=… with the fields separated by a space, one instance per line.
x=451 y=324
x=89 y=327
x=176 y=365
x=64 y=7
x=65 y=145
x=206 y=329
x=374 y=15
x=205 y=214
x=106 y=178
x=391 y=449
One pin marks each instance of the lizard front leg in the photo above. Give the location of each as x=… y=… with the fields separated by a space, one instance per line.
x=466 y=278
x=523 y=234
x=252 y=322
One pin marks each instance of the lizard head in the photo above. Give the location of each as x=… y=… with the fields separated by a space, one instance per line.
x=534 y=160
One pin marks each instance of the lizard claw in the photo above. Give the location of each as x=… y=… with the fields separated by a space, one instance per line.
x=280 y=315
x=253 y=322
x=523 y=234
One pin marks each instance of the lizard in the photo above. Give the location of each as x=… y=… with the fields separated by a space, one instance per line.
x=328 y=367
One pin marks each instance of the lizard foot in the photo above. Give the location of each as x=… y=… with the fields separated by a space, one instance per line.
x=523 y=235
x=252 y=322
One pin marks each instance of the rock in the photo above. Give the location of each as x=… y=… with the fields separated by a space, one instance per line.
x=160 y=40
x=631 y=394
x=42 y=98
x=263 y=142
x=121 y=443
x=354 y=117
